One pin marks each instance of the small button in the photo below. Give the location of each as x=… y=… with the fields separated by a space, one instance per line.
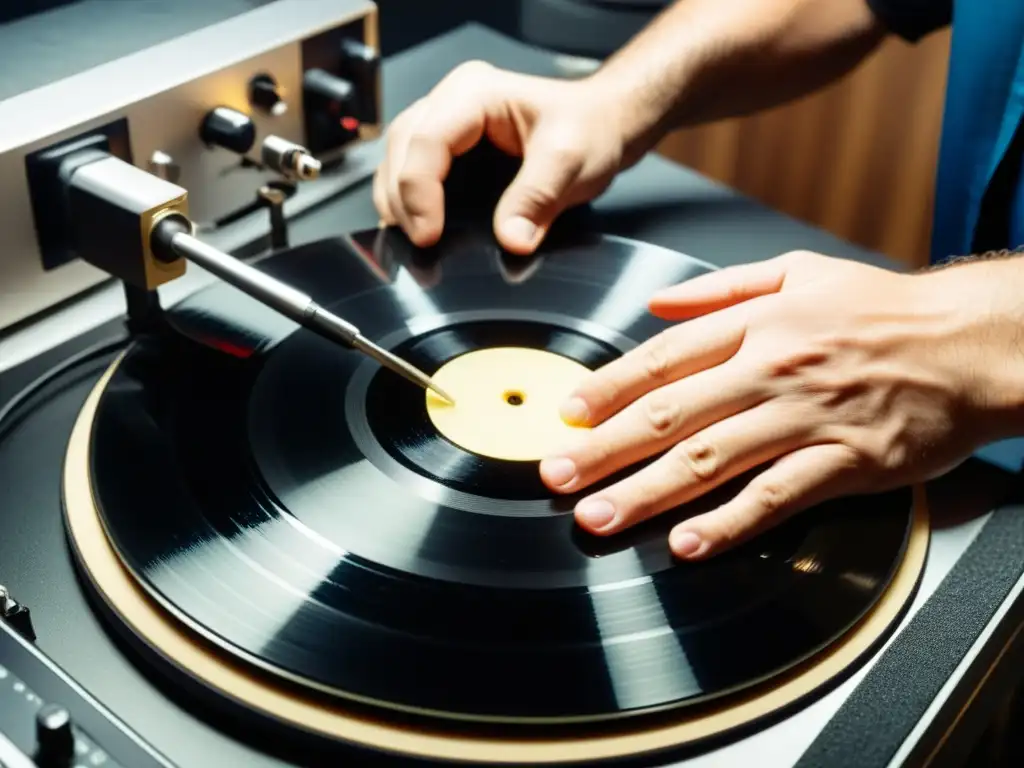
x=55 y=736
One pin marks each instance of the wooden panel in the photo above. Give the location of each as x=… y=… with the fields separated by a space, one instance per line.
x=857 y=159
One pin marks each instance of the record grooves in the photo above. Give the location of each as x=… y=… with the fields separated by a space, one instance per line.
x=247 y=486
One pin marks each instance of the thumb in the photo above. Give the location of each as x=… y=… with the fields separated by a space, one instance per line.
x=538 y=194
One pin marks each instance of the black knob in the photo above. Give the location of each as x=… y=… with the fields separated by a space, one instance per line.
x=55 y=736
x=228 y=128
x=265 y=94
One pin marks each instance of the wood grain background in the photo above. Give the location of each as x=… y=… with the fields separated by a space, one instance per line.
x=857 y=159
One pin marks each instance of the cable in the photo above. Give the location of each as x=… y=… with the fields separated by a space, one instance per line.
x=7 y=412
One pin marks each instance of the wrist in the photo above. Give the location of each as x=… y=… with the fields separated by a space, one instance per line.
x=639 y=119
x=985 y=305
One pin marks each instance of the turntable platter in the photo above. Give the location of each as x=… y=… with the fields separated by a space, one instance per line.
x=318 y=521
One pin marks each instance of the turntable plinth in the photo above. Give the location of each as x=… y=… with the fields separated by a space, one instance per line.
x=507 y=402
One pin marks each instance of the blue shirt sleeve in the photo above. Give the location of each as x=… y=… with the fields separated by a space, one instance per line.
x=913 y=19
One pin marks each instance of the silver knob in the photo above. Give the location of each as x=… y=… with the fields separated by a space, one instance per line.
x=163 y=166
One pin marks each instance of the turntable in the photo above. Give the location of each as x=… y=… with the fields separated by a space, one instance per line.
x=305 y=533
x=279 y=542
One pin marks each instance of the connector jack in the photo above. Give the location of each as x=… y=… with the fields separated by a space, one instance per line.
x=291 y=160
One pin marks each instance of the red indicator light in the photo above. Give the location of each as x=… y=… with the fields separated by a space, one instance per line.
x=349 y=123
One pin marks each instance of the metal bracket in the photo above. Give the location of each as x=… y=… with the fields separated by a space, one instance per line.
x=17 y=615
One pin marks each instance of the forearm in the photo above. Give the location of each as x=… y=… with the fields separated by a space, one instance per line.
x=703 y=60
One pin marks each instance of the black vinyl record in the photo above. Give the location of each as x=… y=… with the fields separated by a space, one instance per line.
x=289 y=500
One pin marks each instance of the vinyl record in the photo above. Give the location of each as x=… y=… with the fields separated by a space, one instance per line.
x=293 y=503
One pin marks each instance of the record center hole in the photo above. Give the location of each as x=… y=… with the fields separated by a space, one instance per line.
x=513 y=397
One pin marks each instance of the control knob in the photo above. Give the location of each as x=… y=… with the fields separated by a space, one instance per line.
x=55 y=737
x=265 y=94
x=228 y=128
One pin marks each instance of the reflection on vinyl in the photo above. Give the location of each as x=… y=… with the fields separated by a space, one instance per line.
x=294 y=503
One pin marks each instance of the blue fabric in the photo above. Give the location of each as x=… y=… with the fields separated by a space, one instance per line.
x=984 y=107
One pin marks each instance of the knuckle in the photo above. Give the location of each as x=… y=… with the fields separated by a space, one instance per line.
x=474 y=68
x=700 y=457
x=771 y=498
x=894 y=453
x=796 y=362
x=662 y=413
x=792 y=258
x=655 y=359
x=469 y=72
x=401 y=121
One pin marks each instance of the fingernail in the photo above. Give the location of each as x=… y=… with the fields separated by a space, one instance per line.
x=574 y=411
x=558 y=471
x=684 y=543
x=520 y=230
x=595 y=513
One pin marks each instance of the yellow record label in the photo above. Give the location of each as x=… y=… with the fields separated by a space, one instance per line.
x=506 y=402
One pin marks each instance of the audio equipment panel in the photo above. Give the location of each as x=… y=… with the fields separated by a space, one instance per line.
x=48 y=721
x=276 y=93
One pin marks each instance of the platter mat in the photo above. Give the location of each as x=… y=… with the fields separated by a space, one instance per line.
x=216 y=671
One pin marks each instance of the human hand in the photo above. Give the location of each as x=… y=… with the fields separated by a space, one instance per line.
x=840 y=377
x=564 y=130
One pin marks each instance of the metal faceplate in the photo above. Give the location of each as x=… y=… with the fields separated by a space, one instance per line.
x=157 y=98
